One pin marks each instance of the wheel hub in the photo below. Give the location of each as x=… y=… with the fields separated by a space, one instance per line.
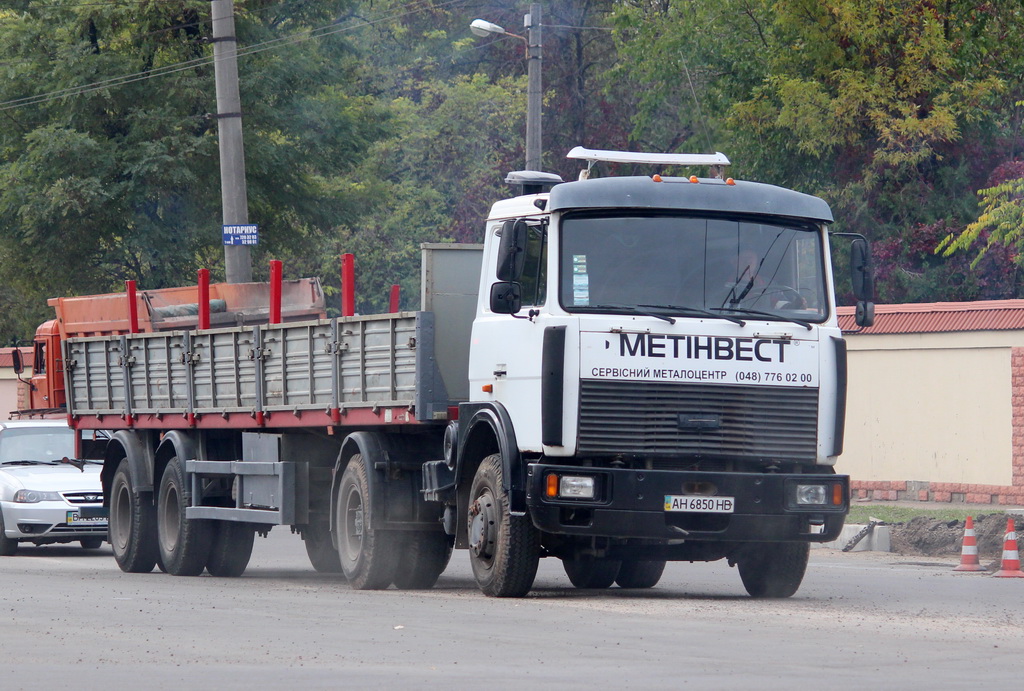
x=482 y=527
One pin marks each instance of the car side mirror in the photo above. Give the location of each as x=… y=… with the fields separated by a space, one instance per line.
x=17 y=363
x=512 y=250
x=506 y=297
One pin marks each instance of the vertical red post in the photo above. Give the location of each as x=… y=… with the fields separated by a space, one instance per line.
x=348 y=285
x=275 y=291
x=133 y=308
x=396 y=297
x=204 y=298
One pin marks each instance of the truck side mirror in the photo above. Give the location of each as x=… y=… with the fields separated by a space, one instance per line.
x=506 y=297
x=16 y=361
x=863 y=282
x=860 y=270
x=512 y=250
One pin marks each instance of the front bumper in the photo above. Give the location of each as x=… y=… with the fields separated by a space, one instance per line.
x=49 y=521
x=631 y=504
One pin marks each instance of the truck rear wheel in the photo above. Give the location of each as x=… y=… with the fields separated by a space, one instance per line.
x=773 y=569
x=640 y=574
x=586 y=571
x=231 y=549
x=184 y=543
x=504 y=550
x=368 y=557
x=320 y=550
x=424 y=557
x=132 y=531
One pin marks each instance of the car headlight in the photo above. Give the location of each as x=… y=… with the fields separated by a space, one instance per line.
x=31 y=496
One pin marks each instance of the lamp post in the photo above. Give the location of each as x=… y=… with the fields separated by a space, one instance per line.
x=534 y=59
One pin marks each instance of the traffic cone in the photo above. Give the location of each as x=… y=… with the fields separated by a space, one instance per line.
x=969 y=551
x=1011 y=557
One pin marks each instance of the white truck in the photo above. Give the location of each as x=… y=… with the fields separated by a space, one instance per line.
x=634 y=370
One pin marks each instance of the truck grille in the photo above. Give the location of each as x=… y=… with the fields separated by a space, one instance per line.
x=644 y=418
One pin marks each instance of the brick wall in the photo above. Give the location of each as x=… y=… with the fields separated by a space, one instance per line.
x=1005 y=495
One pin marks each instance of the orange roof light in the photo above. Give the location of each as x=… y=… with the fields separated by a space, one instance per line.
x=730 y=181
x=693 y=178
x=656 y=177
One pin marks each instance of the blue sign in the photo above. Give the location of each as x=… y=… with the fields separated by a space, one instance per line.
x=248 y=234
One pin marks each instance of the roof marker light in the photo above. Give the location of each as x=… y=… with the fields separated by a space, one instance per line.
x=693 y=178
x=730 y=181
x=656 y=178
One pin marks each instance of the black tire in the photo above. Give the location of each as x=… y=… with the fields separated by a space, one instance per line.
x=773 y=570
x=368 y=557
x=91 y=542
x=8 y=546
x=591 y=572
x=320 y=550
x=184 y=543
x=132 y=530
x=504 y=550
x=640 y=574
x=231 y=548
x=424 y=557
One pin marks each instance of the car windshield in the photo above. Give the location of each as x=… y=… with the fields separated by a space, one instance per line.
x=36 y=443
x=728 y=267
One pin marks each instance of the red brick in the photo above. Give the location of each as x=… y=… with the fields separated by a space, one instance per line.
x=942 y=496
x=922 y=495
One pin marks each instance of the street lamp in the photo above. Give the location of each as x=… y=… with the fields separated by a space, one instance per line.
x=534 y=42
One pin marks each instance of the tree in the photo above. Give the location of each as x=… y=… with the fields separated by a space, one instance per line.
x=120 y=180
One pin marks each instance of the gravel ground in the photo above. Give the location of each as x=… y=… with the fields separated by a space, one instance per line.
x=931 y=537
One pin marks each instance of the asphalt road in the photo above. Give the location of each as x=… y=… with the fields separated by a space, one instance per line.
x=71 y=619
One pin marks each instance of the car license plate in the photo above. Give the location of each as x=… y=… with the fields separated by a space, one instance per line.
x=696 y=504
x=75 y=519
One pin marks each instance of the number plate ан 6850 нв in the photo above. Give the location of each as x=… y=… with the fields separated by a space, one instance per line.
x=697 y=504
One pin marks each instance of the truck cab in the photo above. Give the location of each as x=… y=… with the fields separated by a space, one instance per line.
x=665 y=353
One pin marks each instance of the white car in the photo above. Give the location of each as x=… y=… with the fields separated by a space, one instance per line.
x=43 y=489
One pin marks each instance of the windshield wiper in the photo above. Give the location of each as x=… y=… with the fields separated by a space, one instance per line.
x=630 y=308
x=759 y=313
x=696 y=311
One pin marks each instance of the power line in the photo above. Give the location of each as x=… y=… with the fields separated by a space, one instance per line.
x=272 y=44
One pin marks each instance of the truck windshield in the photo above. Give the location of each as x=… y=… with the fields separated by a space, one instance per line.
x=728 y=267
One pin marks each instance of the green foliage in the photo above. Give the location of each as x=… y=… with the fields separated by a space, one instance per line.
x=122 y=180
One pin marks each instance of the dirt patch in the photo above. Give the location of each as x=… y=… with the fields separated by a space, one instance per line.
x=933 y=538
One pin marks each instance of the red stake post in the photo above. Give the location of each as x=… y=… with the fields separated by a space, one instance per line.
x=133 y=307
x=204 y=298
x=275 y=291
x=396 y=297
x=348 y=285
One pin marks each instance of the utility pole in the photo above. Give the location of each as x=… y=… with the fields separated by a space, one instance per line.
x=534 y=58
x=237 y=258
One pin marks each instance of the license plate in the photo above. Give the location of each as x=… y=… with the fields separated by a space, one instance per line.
x=699 y=504
x=75 y=519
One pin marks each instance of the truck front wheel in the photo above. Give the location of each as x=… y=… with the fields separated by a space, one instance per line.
x=368 y=557
x=591 y=572
x=773 y=570
x=132 y=531
x=504 y=550
x=184 y=543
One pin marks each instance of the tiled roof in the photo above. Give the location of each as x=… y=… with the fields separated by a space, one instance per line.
x=7 y=361
x=939 y=317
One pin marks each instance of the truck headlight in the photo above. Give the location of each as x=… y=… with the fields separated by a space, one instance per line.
x=811 y=495
x=570 y=486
